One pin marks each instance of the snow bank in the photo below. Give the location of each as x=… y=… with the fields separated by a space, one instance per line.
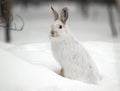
x=38 y=54
x=19 y=75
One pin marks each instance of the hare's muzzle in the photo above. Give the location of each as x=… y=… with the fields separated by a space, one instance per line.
x=54 y=33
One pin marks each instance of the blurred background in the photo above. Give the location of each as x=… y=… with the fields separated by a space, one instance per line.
x=29 y=21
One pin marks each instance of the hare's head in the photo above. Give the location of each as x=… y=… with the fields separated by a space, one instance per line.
x=59 y=27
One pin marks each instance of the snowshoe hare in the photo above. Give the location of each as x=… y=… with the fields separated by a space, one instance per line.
x=73 y=58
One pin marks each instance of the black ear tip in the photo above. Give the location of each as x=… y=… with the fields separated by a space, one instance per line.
x=52 y=7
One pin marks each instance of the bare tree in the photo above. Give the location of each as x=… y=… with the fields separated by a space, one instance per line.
x=118 y=7
x=112 y=21
x=5 y=8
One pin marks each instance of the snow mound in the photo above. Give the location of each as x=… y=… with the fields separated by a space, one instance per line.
x=38 y=54
x=19 y=75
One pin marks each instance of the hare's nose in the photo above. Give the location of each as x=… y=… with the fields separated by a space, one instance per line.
x=52 y=32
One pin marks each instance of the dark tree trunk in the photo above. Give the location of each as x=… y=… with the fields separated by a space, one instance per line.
x=5 y=14
x=111 y=21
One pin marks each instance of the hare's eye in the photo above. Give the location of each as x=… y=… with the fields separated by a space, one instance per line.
x=60 y=27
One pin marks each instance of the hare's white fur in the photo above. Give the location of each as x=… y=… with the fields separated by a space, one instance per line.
x=74 y=59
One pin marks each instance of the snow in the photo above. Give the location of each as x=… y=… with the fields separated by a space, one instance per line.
x=38 y=54
x=20 y=75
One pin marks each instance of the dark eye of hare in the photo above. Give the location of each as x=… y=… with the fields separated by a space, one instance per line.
x=60 y=27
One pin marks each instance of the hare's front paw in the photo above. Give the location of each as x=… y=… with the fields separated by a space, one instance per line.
x=62 y=72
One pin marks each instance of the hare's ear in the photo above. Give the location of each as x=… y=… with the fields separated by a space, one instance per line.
x=64 y=15
x=56 y=15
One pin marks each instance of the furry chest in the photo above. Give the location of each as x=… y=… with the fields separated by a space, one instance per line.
x=66 y=53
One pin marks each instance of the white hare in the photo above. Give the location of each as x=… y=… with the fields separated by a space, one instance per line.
x=73 y=58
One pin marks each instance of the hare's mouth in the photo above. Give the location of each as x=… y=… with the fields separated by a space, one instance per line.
x=54 y=33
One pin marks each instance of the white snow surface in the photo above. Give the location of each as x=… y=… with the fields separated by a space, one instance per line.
x=16 y=74
x=38 y=54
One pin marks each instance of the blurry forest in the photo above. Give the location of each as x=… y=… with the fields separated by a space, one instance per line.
x=6 y=15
